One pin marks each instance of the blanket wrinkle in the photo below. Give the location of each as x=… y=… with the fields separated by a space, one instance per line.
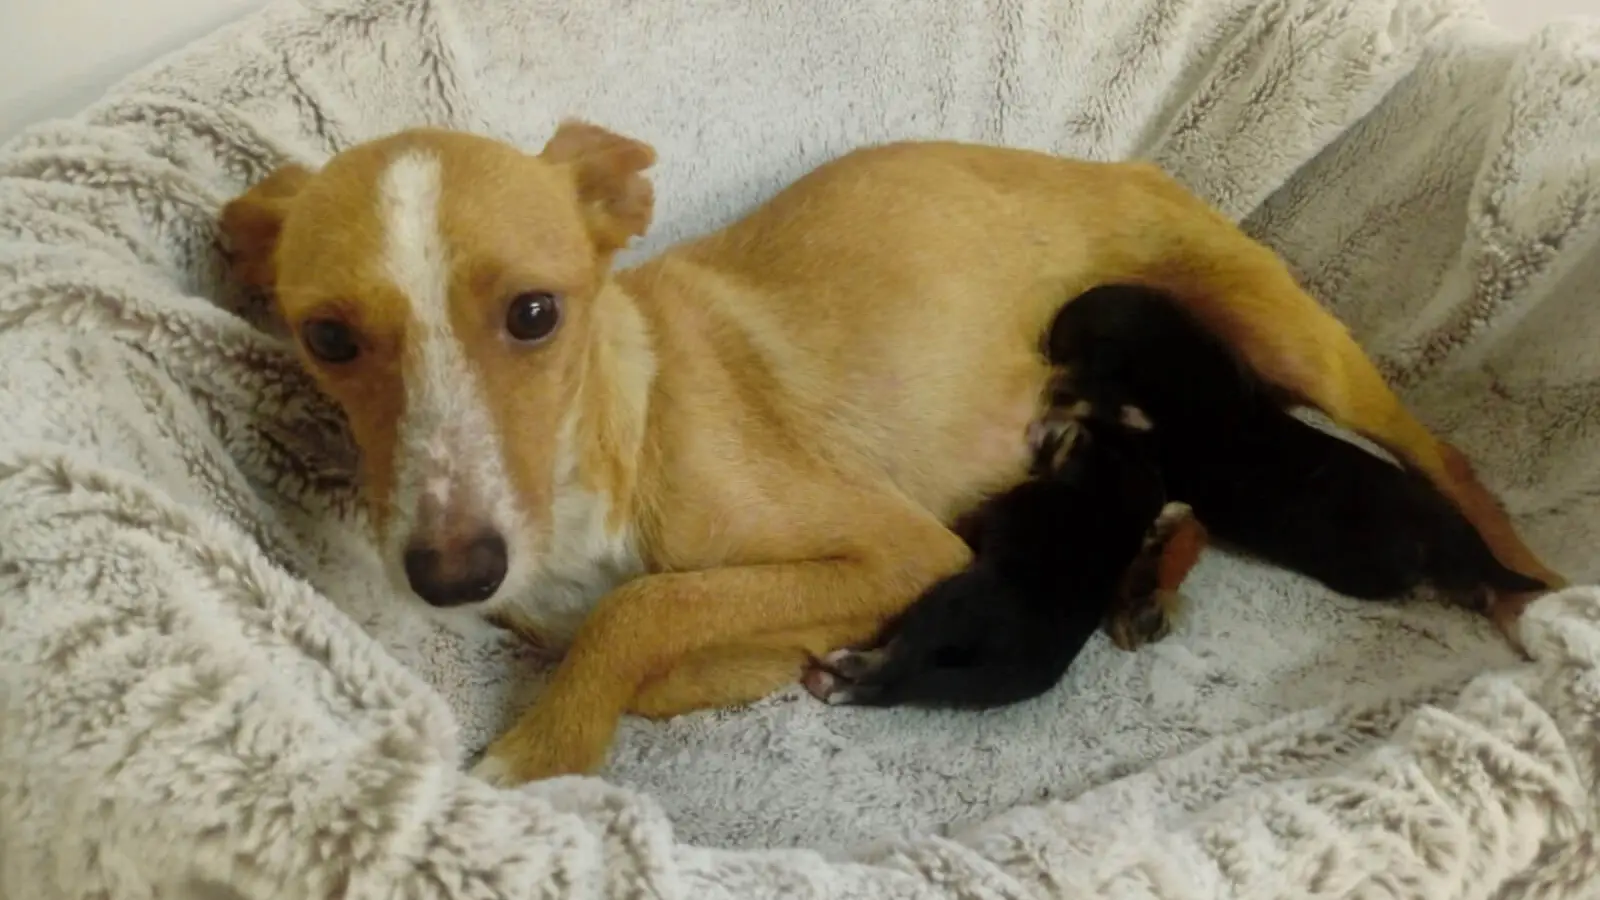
x=206 y=689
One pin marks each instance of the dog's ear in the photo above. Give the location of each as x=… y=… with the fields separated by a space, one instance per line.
x=252 y=221
x=618 y=200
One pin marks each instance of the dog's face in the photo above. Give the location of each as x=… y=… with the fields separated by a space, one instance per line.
x=442 y=288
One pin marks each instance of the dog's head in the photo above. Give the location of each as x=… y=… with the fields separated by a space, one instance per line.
x=448 y=291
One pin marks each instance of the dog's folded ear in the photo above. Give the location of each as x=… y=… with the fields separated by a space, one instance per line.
x=252 y=221
x=618 y=200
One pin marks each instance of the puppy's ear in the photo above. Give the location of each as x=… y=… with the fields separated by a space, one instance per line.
x=618 y=200
x=252 y=221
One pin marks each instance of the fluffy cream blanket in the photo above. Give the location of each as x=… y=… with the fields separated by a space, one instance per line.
x=208 y=694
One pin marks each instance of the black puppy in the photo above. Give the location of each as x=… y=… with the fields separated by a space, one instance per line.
x=1051 y=554
x=1258 y=477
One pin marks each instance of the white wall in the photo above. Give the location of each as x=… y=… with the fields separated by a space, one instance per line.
x=58 y=55
x=1523 y=16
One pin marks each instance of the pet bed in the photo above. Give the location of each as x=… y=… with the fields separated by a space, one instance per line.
x=208 y=692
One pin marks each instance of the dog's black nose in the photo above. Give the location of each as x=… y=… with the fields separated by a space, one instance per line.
x=450 y=573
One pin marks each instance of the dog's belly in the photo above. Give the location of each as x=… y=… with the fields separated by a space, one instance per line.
x=946 y=440
x=987 y=454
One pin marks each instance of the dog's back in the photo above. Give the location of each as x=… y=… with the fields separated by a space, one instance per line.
x=1255 y=475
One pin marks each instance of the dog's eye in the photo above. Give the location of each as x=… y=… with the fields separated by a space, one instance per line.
x=330 y=341
x=533 y=316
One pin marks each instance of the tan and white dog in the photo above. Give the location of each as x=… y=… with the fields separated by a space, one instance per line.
x=695 y=473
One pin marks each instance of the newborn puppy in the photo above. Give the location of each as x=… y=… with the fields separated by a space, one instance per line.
x=1075 y=545
x=1051 y=556
x=1259 y=478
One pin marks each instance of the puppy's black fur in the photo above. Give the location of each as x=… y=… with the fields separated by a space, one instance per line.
x=1258 y=477
x=1051 y=554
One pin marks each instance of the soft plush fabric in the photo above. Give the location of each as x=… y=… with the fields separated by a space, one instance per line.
x=209 y=692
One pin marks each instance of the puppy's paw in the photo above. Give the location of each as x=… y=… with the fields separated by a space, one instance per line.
x=1168 y=521
x=825 y=686
x=1050 y=430
x=1144 y=622
x=1476 y=598
x=1149 y=601
x=843 y=677
x=1053 y=435
x=1135 y=418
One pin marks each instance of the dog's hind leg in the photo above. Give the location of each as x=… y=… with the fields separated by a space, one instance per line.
x=1244 y=293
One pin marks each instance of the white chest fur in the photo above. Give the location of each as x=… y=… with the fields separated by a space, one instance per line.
x=582 y=556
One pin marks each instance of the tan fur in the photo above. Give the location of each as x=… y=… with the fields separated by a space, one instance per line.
x=781 y=417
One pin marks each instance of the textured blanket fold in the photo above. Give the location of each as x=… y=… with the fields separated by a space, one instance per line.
x=207 y=691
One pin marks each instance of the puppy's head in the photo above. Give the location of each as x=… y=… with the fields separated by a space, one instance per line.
x=445 y=289
x=1062 y=423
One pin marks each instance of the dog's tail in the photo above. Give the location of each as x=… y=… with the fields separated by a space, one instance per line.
x=1460 y=560
x=1501 y=578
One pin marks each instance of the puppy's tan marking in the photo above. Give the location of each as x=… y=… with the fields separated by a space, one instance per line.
x=749 y=445
x=1150 y=601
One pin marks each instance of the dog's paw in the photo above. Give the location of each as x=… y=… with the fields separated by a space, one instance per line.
x=493 y=770
x=545 y=743
x=840 y=678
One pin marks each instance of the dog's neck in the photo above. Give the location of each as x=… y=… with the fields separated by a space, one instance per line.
x=613 y=402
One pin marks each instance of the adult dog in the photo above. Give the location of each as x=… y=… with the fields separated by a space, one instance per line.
x=701 y=471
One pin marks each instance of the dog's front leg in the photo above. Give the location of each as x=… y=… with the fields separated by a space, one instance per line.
x=746 y=671
x=646 y=627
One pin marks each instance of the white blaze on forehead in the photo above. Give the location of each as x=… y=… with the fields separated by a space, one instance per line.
x=449 y=449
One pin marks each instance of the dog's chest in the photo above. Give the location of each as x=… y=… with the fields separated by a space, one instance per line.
x=585 y=559
x=563 y=596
